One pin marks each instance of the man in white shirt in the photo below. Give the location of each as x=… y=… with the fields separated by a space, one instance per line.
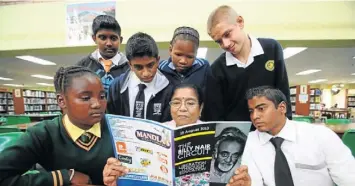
x=305 y=155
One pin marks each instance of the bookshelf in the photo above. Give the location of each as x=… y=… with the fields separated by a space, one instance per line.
x=6 y=103
x=37 y=102
x=298 y=107
x=315 y=102
x=293 y=93
x=351 y=101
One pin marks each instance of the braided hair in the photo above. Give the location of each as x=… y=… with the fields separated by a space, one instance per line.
x=186 y=33
x=64 y=76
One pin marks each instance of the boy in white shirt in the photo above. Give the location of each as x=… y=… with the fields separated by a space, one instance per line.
x=305 y=155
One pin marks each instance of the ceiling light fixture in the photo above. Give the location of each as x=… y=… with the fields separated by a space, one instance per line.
x=291 y=51
x=201 y=53
x=45 y=84
x=317 y=81
x=5 y=79
x=42 y=76
x=13 y=85
x=306 y=72
x=35 y=60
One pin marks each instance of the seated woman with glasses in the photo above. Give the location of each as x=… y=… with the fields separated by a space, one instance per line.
x=186 y=105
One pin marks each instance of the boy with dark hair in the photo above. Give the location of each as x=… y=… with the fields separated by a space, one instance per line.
x=247 y=63
x=283 y=152
x=143 y=91
x=107 y=62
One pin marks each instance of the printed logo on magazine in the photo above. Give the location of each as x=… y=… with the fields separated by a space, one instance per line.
x=121 y=147
x=160 y=179
x=164 y=169
x=125 y=159
x=136 y=170
x=145 y=162
x=162 y=158
x=140 y=149
x=153 y=138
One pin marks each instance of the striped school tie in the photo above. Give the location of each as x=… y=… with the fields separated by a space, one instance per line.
x=85 y=138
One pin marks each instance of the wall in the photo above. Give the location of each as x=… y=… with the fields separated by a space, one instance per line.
x=42 y=25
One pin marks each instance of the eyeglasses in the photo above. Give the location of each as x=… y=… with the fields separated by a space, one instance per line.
x=188 y=104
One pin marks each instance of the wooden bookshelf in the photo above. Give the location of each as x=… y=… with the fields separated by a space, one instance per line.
x=299 y=108
x=293 y=95
x=351 y=101
x=315 y=102
x=6 y=102
x=36 y=102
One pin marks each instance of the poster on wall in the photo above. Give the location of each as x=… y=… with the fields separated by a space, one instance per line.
x=79 y=17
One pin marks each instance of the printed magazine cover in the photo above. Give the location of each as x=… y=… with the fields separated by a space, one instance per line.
x=201 y=154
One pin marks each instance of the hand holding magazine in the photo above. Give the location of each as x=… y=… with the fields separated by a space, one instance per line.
x=206 y=153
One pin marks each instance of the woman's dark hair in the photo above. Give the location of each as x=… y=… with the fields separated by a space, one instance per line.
x=196 y=89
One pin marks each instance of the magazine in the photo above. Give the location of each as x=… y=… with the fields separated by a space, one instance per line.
x=156 y=154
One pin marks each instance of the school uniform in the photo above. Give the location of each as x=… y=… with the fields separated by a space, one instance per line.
x=57 y=146
x=197 y=74
x=95 y=62
x=314 y=154
x=225 y=99
x=123 y=92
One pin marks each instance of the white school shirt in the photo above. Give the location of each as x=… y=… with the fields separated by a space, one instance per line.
x=256 y=50
x=315 y=154
x=134 y=89
x=115 y=59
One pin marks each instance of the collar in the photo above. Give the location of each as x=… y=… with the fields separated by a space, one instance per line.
x=171 y=64
x=75 y=132
x=256 y=50
x=158 y=83
x=288 y=132
x=114 y=60
x=135 y=81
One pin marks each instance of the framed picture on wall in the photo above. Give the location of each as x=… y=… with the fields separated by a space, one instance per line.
x=18 y=93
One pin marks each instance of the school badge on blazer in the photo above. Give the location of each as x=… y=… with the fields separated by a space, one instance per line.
x=270 y=65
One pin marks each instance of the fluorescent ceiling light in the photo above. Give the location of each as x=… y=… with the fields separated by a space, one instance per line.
x=317 y=81
x=291 y=51
x=45 y=84
x=42 y=76
x=353 y=74
x=201 y=52
x=13 y=85
x=5 y=79
x=36 y=60
x=306 y=72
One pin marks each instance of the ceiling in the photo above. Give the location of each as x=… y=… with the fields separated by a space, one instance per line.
x=337 y=65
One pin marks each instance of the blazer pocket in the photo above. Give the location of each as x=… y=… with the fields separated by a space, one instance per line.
x=311 y=167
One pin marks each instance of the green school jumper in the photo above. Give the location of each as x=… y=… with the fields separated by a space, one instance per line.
x=49 y=145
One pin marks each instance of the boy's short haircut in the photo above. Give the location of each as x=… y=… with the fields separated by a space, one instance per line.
x=141 y=45
x=222 y=13
x=105 y=22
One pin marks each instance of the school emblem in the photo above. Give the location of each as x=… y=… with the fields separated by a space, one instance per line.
x=139 y=109
x=157 y=109
x=269 y=65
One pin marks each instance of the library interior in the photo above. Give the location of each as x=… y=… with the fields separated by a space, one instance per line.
x=317 y=38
